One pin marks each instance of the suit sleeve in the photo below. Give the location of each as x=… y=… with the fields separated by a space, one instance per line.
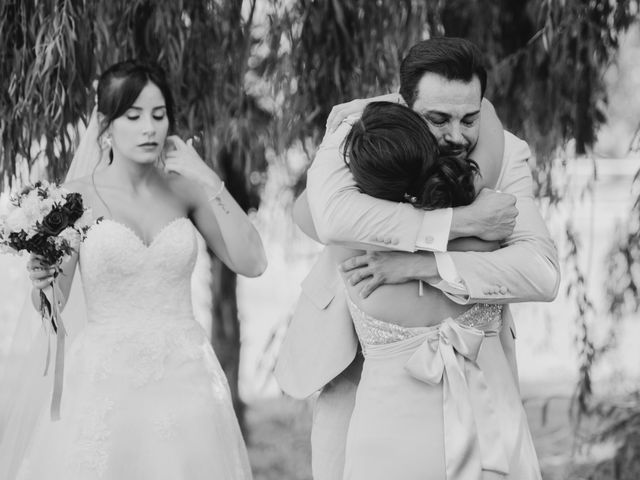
x=526 y=268
x=344 y=215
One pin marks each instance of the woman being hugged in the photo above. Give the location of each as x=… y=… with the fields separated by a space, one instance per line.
x=144 y=395
x=436 y=399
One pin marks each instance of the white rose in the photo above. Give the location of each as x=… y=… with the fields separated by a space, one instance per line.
x=46 y=205
x=17 y=220
x=32 y=196
x=72 y=237
x=46 y=186
x=35 y=207
x=31 y=231
x=86 y=220
x=58 y=194
x=5 y=207
x=5 y=249
x=30 y=205
x=59 y=242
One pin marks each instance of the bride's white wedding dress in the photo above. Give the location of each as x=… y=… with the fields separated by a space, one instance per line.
x=144 y=395
x=437 y=403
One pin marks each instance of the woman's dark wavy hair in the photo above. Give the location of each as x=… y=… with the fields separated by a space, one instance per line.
x=393 y=156
x=120 y=85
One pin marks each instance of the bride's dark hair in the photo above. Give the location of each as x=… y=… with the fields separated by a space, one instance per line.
x=393 y=156
x=120 y=85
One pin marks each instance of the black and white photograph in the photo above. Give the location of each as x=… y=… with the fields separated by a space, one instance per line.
x=319 y=239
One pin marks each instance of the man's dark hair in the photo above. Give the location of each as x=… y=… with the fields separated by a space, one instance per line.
x=451 y=57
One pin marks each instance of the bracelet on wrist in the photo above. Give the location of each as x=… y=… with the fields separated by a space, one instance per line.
x=218 y=193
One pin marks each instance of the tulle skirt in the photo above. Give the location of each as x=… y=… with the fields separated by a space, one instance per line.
x=411 y=425
x=143 y=402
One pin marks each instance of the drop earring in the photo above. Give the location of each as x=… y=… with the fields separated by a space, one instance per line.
x=106 y=142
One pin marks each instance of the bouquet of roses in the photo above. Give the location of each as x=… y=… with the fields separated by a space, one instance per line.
x=45 y=220
x=49 y=221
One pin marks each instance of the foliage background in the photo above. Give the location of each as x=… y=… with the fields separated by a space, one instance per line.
x=255 y=79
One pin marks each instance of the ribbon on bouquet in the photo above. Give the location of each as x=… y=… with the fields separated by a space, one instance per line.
x=471 y=429
x=52 y=320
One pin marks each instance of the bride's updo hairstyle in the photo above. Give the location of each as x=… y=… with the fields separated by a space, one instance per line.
x=393 y=156
x=120 y=85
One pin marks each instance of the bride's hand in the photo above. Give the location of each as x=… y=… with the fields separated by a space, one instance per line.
x=374 y=269
x=356 y=107
x=40 y=273
x=185 y=161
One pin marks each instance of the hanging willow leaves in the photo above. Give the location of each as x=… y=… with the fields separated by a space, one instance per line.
x=330 y=52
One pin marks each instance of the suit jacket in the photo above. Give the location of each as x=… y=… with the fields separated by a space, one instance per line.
x=321 y=341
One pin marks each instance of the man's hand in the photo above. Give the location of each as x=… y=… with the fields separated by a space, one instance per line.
x=356 y=107
x=491 y=216
x=375 y=269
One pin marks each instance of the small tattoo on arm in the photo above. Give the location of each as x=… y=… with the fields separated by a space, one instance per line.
x=220 y=203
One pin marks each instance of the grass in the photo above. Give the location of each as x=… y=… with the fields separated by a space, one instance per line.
x=279 y=445
x=279 y=431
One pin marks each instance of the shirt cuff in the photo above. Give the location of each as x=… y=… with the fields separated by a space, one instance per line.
x=433 y=235
x=450 y=284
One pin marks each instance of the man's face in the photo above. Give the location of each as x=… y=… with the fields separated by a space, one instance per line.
x=452 y=111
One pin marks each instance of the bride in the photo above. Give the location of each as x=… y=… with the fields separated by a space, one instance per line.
x=144 y=395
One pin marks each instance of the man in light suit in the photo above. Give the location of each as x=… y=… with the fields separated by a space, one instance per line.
x=444 y=80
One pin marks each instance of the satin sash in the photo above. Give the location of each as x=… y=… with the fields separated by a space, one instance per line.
x=54 y=325
x=471 y=428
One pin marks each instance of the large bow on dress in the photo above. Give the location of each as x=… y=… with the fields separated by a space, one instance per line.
x=471 y=428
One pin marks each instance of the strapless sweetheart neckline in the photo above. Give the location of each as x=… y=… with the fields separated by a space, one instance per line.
x=138 y=237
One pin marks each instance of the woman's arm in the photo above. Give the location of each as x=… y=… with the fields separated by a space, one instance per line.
x=356 y=107
x=374 y=269
x=42 y=276
x=225 y=227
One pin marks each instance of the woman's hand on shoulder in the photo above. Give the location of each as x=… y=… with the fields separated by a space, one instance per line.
x=185 y=161
x=356 y=107
x=374 y=269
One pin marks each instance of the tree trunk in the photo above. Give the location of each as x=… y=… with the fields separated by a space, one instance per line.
x=225 y=329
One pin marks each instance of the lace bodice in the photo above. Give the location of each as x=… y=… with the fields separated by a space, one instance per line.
x=372 y=331
x=126 y=280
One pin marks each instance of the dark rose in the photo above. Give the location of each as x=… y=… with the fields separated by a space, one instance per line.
x=55 y=222
x=38 y=244
x=73 y=207
x=43 y=245
x=18 y=240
